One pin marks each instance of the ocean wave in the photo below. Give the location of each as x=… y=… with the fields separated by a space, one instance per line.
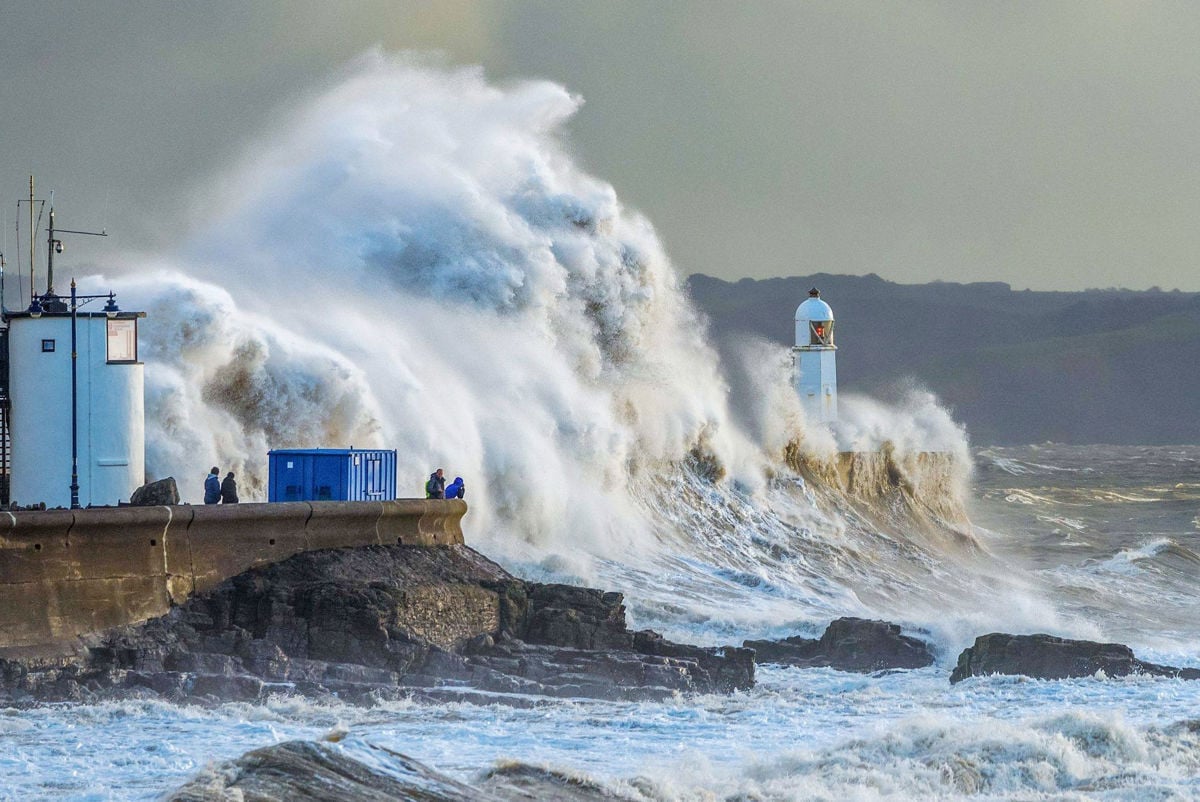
x=1075 y=753
x=446 y=281
x=1023 y=467
x=1128 y=560
x=924 y=756
x=1028 y=498
x=1068 y=523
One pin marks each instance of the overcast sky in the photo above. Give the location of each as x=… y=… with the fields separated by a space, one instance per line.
x=1048 y=145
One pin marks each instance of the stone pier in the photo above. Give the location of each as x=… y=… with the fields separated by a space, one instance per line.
x=64 y=573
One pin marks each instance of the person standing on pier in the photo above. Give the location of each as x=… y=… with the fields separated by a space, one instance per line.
x=229 y=490
x=212 y=486
x=436 y=486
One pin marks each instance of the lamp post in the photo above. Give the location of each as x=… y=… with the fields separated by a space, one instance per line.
x=110 y=311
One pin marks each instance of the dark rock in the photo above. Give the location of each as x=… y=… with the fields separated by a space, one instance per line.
x=848 y=644
x=724 y=668
x=522 y=781
x=156 y=494
x=582 y=618
x=202 y=663
x=1047 y=657
x=349 y=674
x=480 y=643
x=226 y=688
x=367 y=622
x=168 y=684
x=513 y=597
x=303 y=770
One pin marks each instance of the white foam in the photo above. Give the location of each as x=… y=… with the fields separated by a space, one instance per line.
x=412 y=260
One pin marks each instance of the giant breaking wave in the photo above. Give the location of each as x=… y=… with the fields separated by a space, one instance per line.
x=412 y=260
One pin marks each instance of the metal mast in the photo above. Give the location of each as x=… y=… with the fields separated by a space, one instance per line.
x=32 y=237
x=50 y=250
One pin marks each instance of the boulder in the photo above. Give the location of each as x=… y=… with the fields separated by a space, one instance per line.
x=521 y=781
x=581 y=618
x=156 y=494
x=848 y=644
x=1048 y=657
x=307 y=770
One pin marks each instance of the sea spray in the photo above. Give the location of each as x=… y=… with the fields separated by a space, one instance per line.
x=226 y=385
x=412 y=260
x=418 y=239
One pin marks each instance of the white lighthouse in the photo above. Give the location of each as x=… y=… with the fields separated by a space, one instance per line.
x=78 y=412
x=814 y=365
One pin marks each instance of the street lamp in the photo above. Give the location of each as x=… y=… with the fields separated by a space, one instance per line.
x=110 y=311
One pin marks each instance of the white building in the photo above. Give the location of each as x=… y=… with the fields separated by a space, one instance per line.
x=814 y=365
x=109 y=421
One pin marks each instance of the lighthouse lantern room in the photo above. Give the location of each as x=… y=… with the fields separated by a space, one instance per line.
x=814 y=365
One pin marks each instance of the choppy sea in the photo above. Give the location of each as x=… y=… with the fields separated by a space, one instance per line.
x=1098 y=542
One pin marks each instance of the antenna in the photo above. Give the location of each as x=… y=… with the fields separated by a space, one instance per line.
x=32 y=234
x=54 y=245
x=16 y=227
x=32 y=237
x=50 y=248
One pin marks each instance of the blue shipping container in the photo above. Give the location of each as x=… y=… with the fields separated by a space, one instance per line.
x=331 y=474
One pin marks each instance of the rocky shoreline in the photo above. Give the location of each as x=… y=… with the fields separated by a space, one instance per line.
x=378 y=622
x=446 y=623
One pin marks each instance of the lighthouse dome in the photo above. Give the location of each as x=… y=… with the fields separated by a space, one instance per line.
x=814 y=309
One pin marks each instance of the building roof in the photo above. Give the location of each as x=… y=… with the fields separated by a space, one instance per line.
x=11 y=315
x=814 y=309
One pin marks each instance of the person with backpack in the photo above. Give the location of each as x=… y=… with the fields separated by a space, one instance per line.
x=436 y=486
x=212 y=486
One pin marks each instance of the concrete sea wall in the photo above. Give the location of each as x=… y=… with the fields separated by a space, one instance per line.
x=64 y=573
x=925 y=482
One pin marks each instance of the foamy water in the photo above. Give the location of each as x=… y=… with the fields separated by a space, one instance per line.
x=441 y=278
x=815 y=734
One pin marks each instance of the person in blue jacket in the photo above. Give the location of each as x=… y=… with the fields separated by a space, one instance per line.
x=212 y=486
x=455 y=489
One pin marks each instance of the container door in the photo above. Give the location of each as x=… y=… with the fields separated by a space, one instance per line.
x=328 y=479
x=374 y=477
x=287 y=477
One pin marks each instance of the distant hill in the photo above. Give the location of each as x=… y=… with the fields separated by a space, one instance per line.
x=1099 y=366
